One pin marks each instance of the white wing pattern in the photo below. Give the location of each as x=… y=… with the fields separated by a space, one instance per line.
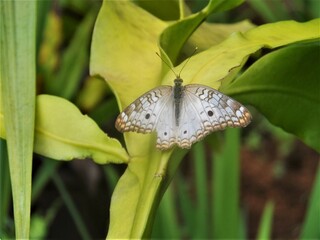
x=142 y=115
x=205 y=110
x=202 y=110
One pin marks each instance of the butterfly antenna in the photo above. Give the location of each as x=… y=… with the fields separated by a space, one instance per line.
x=167 y=64
x=194 y=51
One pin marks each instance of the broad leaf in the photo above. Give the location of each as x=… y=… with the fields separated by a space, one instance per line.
x=210 y=34
x=63 y=133
x=284 y=86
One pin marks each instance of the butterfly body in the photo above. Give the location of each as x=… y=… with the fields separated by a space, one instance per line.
x=177 y=95
x=182 y=115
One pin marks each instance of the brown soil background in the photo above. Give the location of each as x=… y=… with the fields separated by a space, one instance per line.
x=290 y=192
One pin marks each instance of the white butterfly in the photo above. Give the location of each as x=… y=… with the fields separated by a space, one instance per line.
x=182 y=115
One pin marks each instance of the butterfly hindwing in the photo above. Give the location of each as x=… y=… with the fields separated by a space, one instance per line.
x=166 y=126
x=191 y=126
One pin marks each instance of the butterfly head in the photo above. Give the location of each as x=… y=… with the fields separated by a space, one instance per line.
x=178 y=81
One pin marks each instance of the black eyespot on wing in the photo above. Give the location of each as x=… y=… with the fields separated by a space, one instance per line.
x=210 y=113
x=165 y=133
x=147 y=116
x=185 y=132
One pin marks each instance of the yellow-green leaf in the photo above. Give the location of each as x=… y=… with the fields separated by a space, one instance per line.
x=221 y=62
x=63 y=133
x=210 y=34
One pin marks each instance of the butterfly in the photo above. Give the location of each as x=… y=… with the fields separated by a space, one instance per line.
x=182 y=115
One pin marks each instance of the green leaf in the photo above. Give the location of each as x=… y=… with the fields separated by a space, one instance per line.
x=43 y=176
x=63 y=133
x=226 y=182
x=310 y=228
x=165 y=10
x=210 y=34
x=222 y=5
x=174 y=37
x=38 y=227
x=17 y=69
x=92 y=93
x=67 y=79
x=43 y=8
x=201 y=217
x=284 y=87
x=166 y=219
x=5 y=187
x=271 y=11
x=265 y=226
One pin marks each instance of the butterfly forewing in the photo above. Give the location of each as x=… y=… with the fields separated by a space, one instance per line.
x=141 y=115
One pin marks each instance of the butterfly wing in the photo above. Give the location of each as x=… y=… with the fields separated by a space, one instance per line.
x=142 y=115
x=205 y=110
